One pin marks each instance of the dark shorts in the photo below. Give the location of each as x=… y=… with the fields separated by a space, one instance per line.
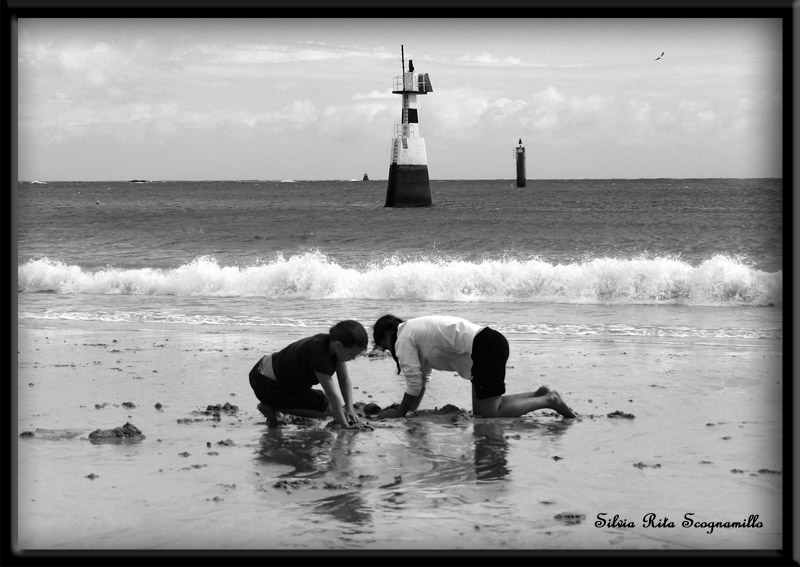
x=489 y=357
x=271 y=393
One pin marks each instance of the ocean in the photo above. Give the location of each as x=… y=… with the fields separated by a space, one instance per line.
x=691 y=257
x=653 y=306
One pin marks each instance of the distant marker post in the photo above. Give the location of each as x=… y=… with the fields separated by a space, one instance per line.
x=519 y=153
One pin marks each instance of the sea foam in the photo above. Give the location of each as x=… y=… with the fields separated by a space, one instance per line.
x=719 y=280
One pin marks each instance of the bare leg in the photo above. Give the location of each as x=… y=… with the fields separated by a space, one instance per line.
x=540 y=391
x=518 y=405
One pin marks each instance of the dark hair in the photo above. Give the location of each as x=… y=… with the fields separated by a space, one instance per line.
x=384 y=327
x=350 y=333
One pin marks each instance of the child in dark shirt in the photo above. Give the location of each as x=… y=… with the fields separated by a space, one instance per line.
x=284 y=380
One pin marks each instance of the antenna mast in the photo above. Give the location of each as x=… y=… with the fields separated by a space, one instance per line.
x=402 y=59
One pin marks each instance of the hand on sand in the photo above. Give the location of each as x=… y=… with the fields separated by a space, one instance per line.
x=352 y=417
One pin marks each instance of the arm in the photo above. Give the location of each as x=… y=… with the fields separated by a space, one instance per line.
x=416 y=378
x=410 y=403
x=334 y=398
x=347 y=392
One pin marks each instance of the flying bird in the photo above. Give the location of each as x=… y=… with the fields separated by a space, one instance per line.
x=660 y=56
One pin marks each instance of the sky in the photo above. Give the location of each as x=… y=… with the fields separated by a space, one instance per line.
x=310 y=99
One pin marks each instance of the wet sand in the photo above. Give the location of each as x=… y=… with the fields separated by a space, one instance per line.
x=673 y=429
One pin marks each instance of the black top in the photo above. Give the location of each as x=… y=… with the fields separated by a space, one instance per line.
x=296 y=365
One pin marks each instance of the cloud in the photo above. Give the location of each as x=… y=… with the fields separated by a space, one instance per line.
x=375 y=94
x=295 y=116
x=262 y=54
x=488 y=59
x=469 y=114
x=507 y=106
x=92 y=63
x=456 y=113
x=662 y=121
x=165 y=82
x=741 y=121
x=565 y=116
x=641 y=110
x=687 y=117
x=370 y=110
x=253 y=54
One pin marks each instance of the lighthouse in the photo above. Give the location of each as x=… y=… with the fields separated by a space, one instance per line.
x=409 y=185
x=519 y=153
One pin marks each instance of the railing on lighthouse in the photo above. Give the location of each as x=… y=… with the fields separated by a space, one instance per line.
x=416 y=83
x=409 y=185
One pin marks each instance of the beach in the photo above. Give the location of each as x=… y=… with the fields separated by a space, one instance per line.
x=673 y=438
x=654 y=307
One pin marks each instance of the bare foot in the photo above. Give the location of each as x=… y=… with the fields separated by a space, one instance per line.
x=541 y=391
x=558 y=404
x=270 y=414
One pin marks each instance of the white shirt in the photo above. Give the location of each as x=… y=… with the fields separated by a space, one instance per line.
x=435 y=342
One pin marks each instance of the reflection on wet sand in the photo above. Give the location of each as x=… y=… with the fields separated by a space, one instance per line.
x=491 y=443
x=304 y=449
x=408 y=467
x=317 y=453
x=491 y=451
x=349 y=507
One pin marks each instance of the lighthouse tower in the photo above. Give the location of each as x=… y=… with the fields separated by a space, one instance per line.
x=519 y=153
x=409 y=185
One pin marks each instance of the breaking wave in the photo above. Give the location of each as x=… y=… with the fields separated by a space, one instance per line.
x=718 y=281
